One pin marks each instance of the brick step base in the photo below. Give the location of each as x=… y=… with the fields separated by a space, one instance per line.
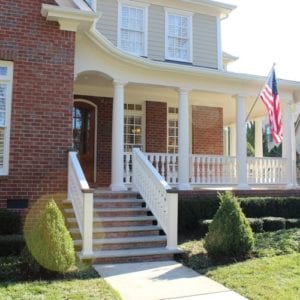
x=118 y=232
x=131 y=255
x=114 y=212
x=126 y=243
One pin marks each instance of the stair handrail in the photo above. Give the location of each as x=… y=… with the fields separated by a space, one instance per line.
x=82 y=198
x=157 y=194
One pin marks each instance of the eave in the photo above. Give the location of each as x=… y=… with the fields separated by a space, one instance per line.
x=69 y=19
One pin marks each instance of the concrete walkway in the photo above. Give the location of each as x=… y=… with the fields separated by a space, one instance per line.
x=162 y=280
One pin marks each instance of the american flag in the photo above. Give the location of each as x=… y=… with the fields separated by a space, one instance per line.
x=270 y=97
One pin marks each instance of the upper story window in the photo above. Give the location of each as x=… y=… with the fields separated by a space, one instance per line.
x=6 y=77
x=132 y=31
x=178 y=42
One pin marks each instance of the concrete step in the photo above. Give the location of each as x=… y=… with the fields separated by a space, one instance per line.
x=118 y=203
x=126 y=243
x=131 y=255
x=118 y=232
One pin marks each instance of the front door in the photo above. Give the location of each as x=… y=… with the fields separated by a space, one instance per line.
x=84 y=137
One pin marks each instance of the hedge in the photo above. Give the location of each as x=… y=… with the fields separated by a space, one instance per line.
x=259 y=224
x=190 y=211
x=11 y=244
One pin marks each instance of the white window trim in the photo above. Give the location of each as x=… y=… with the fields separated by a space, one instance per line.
x=134 y=4
x=8 y=79
x=171 y=116
x=139 y=113
x=172 y=11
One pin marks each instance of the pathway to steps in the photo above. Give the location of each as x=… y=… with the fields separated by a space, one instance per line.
x=162 y=280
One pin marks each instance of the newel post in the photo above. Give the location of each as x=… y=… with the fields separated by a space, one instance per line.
x=172 y=203
x=87 y=229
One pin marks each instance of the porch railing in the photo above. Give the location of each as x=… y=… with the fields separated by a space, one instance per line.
x=81 y=197
x=213 y=169
x=266 y=170
x=156 y=193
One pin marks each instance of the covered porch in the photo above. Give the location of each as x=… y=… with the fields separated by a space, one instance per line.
x=190 y=123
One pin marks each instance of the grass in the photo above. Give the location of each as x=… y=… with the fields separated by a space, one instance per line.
x=83 y=283
x=272 y=273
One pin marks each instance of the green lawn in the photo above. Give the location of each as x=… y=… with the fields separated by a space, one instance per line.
x=77 y=285
x=272 y=273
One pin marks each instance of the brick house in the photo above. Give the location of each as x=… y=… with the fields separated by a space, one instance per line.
x=104 y=77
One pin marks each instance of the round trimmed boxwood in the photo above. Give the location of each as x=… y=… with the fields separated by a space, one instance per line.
x=230 y=234
x=50 y=242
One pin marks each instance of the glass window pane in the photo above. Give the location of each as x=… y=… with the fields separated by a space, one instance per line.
x=1 y=147
x=3 y=71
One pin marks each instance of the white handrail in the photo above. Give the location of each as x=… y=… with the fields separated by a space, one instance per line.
x=157 y=194
x=81 y=197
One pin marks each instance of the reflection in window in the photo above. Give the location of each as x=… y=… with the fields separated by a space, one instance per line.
x=81 y=129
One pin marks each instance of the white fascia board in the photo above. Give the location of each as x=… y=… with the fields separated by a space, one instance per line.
x=147 y=64
x=70 y=19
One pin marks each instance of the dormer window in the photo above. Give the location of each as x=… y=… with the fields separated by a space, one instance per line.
x=132 y=35
x=178 y=43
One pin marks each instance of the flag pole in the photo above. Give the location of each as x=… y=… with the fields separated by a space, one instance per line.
x=252 y=107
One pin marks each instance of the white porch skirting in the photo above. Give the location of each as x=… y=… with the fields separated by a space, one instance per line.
x=214 y=169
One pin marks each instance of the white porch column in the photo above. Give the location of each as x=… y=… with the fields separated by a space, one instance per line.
x=258 y=138
x=289 y=146
x=241 y=142
x=232 y=140
x=183 y=141
x=117 y=159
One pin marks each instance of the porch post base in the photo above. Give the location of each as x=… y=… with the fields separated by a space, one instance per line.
x=243 y=186
x=118 y=187
x=184 y=187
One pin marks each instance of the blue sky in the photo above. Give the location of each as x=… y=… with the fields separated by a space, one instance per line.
x=261 y=32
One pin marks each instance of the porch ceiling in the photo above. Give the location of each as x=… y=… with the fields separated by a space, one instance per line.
x=97 y=84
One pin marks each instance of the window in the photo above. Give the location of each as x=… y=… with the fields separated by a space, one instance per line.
x=178 y=36
x=132 y=35
x=6 y=76
x=133 y=127
x=172 y=130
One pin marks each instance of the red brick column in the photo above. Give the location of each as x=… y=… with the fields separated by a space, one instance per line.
x=207 y=130
x=156 y=126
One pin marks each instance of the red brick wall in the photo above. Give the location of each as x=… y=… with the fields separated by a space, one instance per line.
x=41 y=121
x=156 y=126
x=207 y=128
x=104 y=138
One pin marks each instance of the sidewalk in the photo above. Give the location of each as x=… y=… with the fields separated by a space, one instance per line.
x=162 y=280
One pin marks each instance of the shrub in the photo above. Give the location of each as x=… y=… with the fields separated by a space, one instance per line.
x=292 y=223
x=10 y=222
x=191 y=211
x=229 y=235
x=50 y=242
x=273 y=223
x=11 y=244
x=257 y=207
x=257 y=225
